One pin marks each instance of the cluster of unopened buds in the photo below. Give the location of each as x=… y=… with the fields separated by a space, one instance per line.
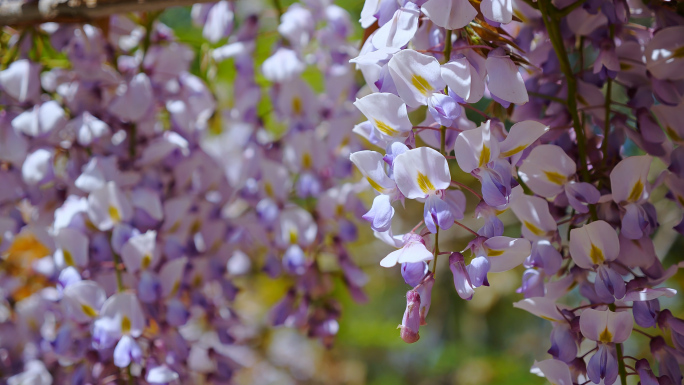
x=572 y=162
x=130 y=204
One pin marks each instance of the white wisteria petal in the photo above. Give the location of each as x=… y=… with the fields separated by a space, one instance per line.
x=521 y=136
x=606 y=326
x=533 y=212
x=140 y=252
x=449 y=14
x=556 y=371
x=475 y=148
x=72 y=248
x=161 y=375
x=108 y=206
x=370 y=8
x=628 y=180
x=542 y=307
x=41 y=119
x=397 y=32
x=171 y=275
x=503 y=78
x=412 y=252
x=372 y=166
x=37 y=167
x=500 y=11
x=387 y=114
x=505 y=253
x=420 y=172
x=282 y=66
x=648 y=294
x=125 y=307
x=21 y=80
x=593 y=244
x=463 y=79
x=83 y=300
x=416 y=76
x=663 y=53
x=546 y=169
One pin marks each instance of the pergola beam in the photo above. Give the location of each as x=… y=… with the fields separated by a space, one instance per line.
x=19 y=12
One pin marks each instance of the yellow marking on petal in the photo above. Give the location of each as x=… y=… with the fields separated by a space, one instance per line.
x=596 y=254
x=375 y=185
x=520 y=16
x=146 y=260
x=548 y=318
x=293 y=236
x=679 y=52
x=494 y=253
x=307 y=162
x=175 y=227
x=421 y=84
x=680 y=199
x=581 y=99
x=297 y=105
x=125 y=325
x=339 y=210
x=484 y=156
x=637 y=189
x=424 y=183
x=197 y=281
x=114 y=214
x=175 y=288
x=673 y=134
x=534 y=229
x=68 y=258
x=513 y=151
x=88 y=310
x=385 y=128
x=195 y=227
x=605 y=336
x=555 y=177
x=268 y=188
x=625 y=66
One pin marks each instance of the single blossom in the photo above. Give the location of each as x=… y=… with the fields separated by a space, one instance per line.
x=631 y=190
x=416 y=76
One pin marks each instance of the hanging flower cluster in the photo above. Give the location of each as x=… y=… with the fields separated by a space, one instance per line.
x=130 y=203
x=555 y=149
x=289 y=166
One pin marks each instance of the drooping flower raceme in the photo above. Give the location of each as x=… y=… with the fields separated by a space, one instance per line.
x=554 y=144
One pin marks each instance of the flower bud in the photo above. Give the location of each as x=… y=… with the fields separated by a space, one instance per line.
x=411 y=321
x=532 y=284
x=425 y=292
x=462 y=283
x=646 y=312
x=414 y=272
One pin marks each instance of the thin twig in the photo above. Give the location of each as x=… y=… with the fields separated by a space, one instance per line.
x=459 y=184
x=644 y=333
x=467 y=228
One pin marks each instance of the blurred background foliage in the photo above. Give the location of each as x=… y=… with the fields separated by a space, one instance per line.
x=484 y=341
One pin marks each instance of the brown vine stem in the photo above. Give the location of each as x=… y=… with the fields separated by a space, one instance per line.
x=462 y=185
x=606 y=127
x=442 y=143
x=471 y=108
x=467 y=228
x=620 y=359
